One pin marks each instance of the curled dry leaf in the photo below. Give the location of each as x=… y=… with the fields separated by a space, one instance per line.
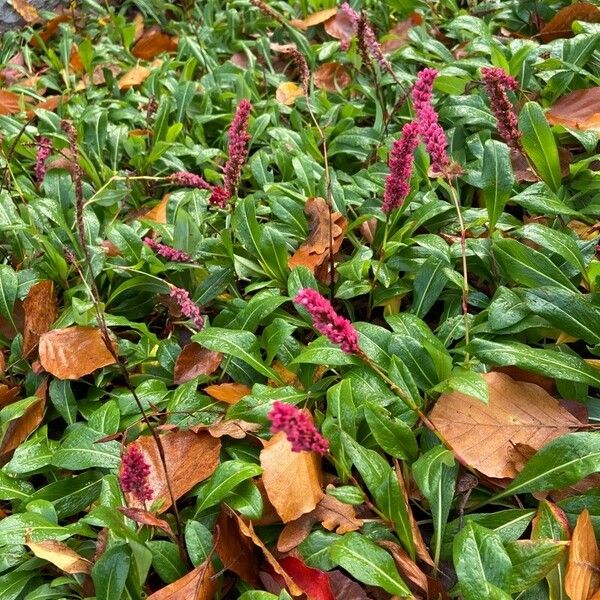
x=414 y=577
x=292 y=479
x=199 y=584
x=10 y=103
x=330 y=512
x=332 y=77
x=340 y=26
x=194 y=360
x=40 y=312
x=314 y=19
x=135 y=76
x=560 y=26
x=578 y=110
x=183 y=450
x=313 y=582
x=583 y=567
x=234 y=428
x=27 y=11
x=73 y=352
x=288 y=92
x=60 y=555
x=315 y=251
x=483 y=435
x=159 y=212
x=397 y=36
x=143 y=517
x=50 y=28
x=228 y=392
x=8 y=394
x=153 y=42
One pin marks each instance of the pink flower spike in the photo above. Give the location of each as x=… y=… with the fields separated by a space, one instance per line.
x=187 y=179
x=326 y=321
x=397 y=183
x=350 y=13
x=134 y=474
x=429 y=127
x=219 y=197
x=187 y=306
x=167 y=252
x=497 y=82
x=298 y=428
x=237 y=150
x=43 y=153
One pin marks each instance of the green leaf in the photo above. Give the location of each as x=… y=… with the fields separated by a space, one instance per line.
x=467 y=382
x=539 y=143
x=9 y=284
x=63 y=399
x=166 y=560
x=496 y=179
x=14 y=529
x=368 y=563
x=79 y=450
x=14 y=489
x=110 y=572
x=532 y=560
x=198 y=541
x=394 y=436
x=429 y=282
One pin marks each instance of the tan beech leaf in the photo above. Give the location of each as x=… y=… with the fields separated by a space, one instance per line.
x=60 y=555
x=73 y=352
x=560 y=25
x=190 y=457
x=153 y=42
x=314 y=19
x=288 y=92
x=583 y=566
x=159 y=212
x=199 y=584
x=234 y=428
x=340 y=27
x=330 y=512
x=10 y=103
x=227 y=392
x=143 y=517
x=578 y=110
x=40 y=312
x=195 y=360
x=482 y=435
x=332 y=77
x=292 y=479
x=27 y=11
x=135 y=76
x=315 y=250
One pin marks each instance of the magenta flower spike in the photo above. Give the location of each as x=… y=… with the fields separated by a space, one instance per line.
x=134 y=474
x=187 y=179
x=237 y=150
x=298 y=428
x=167 y=252
x=187 y=306
x=43 y=153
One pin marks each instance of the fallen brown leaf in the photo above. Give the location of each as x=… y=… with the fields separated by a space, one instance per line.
x=10 y=103
x=397 y=36
x=292 y=479
x=583 y=567
x=228 y=392
x=414 y=577
x=190 y=458
x=159 y=212
x=340 y=26
x=138 y=22
x=344 y=588
x=135 y=76
x=482 y=435
x=98 y=77
x=8 y=394
x=330 y=512
x=27 y=11
x=194 y=360
x=153 y=42
x=143 y=517
x=73 y=352
x=332 y=77
x=40 y=312
x=60 y=555
x=199 y=584
x=577 y=110
x=50 y=28
x=234 y=428
x=560 y=25
x=288 y=92
x=314 y=19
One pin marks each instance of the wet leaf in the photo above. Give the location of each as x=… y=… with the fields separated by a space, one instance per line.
x=583 y=567
x=560 y=26
x=194 y=360
x=60 y=555
x=313 y=582
x=40 y=312
x=199 y=584
x=143 y=517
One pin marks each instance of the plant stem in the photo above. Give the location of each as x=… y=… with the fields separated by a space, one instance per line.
x=379 y=263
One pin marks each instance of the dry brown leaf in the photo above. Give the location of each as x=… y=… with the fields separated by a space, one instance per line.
x=75 y=60
x=135 y=76
x=50 y=28
x=314 y=19
x=397 y=36
x=73 y=352
x=482 y=435
x=60 y=555
x=194 y=360
x=578 y=110
x=315 y=251
x=98 y=77
x=583 y=567
x=199 y=584
x=27 y=11
x=414 y=577
x=228 y=392
x=40 y=312
x=234 y=428
x=285 y=472
x=190 y=457
x=340 y=26
x=332 y=77
x=330 y=512
x=560 y=25
x=10 y=103
x=152 y=42
x=8 y=394
x=50 y=103
x=288 y=92
x=287 y=377
x=143 y=517
x=159 y=212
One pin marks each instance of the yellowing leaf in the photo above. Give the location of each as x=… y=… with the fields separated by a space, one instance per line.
x=135 y=76
x=583 y=567
x=228 y=392
x=60 y=555
x=288 y=92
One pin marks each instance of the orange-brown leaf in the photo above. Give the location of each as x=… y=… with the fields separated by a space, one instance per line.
x=292 y=479
x=332 y=77
x=340 y=26
x=8 y=394
x=560 y=25
x=583 y=567
x=153 y=42
x=135 y=76
x=484 y=435
x=415 y=578
x=40 y=312
x=228 y=392
x=314 y=19
x=397 y=36
x=51 y=28
x=73 y=352
x=577 y=110
x=143 y=517
x=190 y=457
x=159 y=212
x=10 y=103
x=194 y=360
x=60 y=555
x=27 y=11
x=199 y=584
x=234 y=428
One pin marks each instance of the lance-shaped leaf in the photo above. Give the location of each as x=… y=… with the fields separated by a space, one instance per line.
x=496 y=179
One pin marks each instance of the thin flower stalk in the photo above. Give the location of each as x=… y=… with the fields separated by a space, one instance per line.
x=298 y=428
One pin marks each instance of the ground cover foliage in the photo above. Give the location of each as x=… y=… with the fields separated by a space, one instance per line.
x=252 y=348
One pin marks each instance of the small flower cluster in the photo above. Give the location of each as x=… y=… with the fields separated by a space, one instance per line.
x=43 y=153
x=397 y=183
x=134 y=474
x=298 y=428
x=237 y=150
x=497 y=82
x=302 y=66
x=187 y=306
x=187 y=179
x=326 y=321
x=167 y=252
